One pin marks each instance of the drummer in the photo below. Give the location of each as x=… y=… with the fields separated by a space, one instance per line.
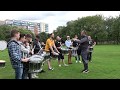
x=76 y=52
x=26 y=65
x=25 y=51
x=15 y=54
x=49 y=47
x=61 y=56
x=37 y=47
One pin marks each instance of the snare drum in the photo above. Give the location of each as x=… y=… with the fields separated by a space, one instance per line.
x=2 y=63
x=35 y=63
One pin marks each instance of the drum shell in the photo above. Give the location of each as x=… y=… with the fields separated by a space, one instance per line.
x=53 y=56
x=35 y=63
x=34 y=67
x=64 y=51
x=2 y=63
x=46 y=56
x=74 y=51
x=36 y=59
x=91 y=49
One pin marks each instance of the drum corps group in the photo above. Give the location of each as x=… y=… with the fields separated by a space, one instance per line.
x=27 y=56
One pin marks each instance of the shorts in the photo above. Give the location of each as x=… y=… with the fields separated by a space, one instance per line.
x=61 y=56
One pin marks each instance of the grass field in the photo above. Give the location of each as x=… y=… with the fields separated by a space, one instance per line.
x=105 y=65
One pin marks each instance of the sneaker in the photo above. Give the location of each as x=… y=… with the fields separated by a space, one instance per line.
x=65 y=65
x=80 y=62
x=35 y=76
x=51 y=69
x=59 y=65
x=76 y=61
x=85 y=71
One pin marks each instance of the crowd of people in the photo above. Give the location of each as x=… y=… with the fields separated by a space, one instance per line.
x=21 y=47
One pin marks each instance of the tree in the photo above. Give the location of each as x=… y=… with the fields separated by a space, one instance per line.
x=116 y=29
x=43 y=37
x=6 y=29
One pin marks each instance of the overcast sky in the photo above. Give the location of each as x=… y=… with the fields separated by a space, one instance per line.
x=53 y=18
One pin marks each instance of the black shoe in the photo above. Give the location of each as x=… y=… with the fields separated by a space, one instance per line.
x=85 y=71
x=42 y=71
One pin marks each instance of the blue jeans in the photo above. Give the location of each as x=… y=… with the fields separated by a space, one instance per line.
x=18 y=72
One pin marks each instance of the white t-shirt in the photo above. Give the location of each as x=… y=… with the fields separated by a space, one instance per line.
x=68 y=43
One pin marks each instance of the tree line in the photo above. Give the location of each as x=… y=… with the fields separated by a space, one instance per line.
x=103 y=30
x=6 y=29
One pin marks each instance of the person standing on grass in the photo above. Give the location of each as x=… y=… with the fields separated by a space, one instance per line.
x=25 y=51
x=15 y=54
x=92 y=43
x=84 y=43
x=60 y=56
x=77 y=51
x=68 y=44
x=51 y=48
x=37 y=47
x=30 y=43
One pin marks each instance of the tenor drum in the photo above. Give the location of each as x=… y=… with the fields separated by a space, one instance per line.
x=91 y=49
x=2 y=63
x=74 y=51
x=35 y=63
x=64 y=50
x=46 y=55
x=55 y=55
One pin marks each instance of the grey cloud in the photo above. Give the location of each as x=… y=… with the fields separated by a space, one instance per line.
x=40 y=15
x=36 y=15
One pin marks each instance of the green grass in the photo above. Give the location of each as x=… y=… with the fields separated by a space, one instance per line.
x=105 y=65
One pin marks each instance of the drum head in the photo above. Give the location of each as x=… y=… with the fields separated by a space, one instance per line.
x=3 y=45
x=2 y=61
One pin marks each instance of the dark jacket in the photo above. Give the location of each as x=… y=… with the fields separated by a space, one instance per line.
x=84 y=42
x=36 y=46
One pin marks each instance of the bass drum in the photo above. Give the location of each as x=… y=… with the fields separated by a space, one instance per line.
x=3 y=45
